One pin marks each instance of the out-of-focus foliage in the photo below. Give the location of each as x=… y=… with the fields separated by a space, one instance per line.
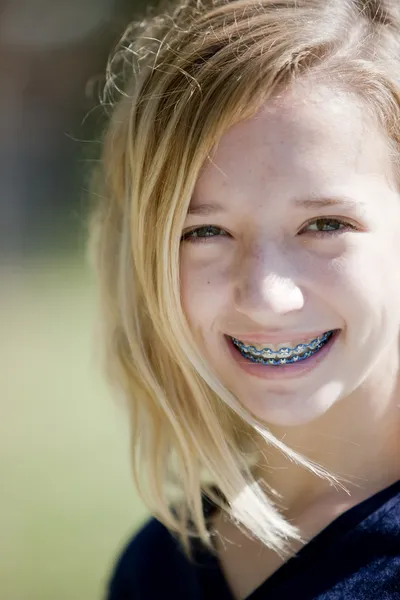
x=52 y=61
x=67 y=499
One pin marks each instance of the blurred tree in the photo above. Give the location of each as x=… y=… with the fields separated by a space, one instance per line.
x=49 y=51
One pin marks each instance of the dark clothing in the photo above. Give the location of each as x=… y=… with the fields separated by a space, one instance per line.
x=356 y=557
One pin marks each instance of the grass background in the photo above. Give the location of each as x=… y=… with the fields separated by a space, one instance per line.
x=67 y=499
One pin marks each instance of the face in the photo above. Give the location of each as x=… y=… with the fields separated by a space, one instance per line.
x=289 y=256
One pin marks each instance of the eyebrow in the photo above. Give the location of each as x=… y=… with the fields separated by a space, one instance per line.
x=315 y=204
x=206 y=209
x=307 y=203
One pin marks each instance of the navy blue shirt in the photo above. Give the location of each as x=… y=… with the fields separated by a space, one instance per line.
x=356 y=557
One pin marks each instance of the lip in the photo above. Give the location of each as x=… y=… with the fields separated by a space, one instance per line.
x=282 y=372
x=278 y=338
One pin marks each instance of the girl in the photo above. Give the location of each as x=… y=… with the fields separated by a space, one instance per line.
x=247 y=242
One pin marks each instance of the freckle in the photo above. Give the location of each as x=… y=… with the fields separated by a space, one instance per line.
x=208 y=283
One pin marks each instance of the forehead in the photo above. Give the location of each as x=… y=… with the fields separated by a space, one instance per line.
x=309 y=135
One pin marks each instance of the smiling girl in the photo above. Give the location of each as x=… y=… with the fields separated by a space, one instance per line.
x=247 y=242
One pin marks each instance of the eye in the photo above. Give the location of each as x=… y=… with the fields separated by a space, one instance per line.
x=328 y=225
x=203 y=234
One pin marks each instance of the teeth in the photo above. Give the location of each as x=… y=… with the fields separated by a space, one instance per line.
x=286 y=351
x=277 y=347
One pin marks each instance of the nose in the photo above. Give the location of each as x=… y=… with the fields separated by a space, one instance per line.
x=267 y=288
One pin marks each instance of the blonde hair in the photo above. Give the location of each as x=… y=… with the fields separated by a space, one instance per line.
x=176 y=83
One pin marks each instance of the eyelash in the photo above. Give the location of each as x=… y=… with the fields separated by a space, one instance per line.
x=201 y=240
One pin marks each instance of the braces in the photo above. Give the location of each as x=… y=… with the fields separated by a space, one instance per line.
x=283 y=356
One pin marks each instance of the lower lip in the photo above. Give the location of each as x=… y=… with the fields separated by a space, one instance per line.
x=290 y=371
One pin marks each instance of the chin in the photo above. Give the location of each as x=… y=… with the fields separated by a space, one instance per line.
x=284 y=409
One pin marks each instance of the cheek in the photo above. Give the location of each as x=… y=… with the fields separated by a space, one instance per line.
x=204 y=290
x=364 y=283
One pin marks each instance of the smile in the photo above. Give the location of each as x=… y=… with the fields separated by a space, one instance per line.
x=284 y=355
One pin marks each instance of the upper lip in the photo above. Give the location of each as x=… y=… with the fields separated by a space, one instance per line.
x=276 y=338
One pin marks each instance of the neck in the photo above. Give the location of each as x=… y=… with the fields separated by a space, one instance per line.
x=358 y=440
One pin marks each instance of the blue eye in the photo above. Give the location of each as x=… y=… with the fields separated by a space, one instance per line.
x=203 y=233
x=328 y=225
x=325 y=225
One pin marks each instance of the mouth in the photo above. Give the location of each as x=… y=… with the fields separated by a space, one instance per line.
x=282 y=354
x=283 y=360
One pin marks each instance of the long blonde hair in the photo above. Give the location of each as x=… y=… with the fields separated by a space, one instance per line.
x=176 y=83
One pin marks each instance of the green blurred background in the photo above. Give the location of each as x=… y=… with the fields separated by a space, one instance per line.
x=68 y=504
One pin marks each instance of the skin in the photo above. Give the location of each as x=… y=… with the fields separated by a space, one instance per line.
x=267 y=269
